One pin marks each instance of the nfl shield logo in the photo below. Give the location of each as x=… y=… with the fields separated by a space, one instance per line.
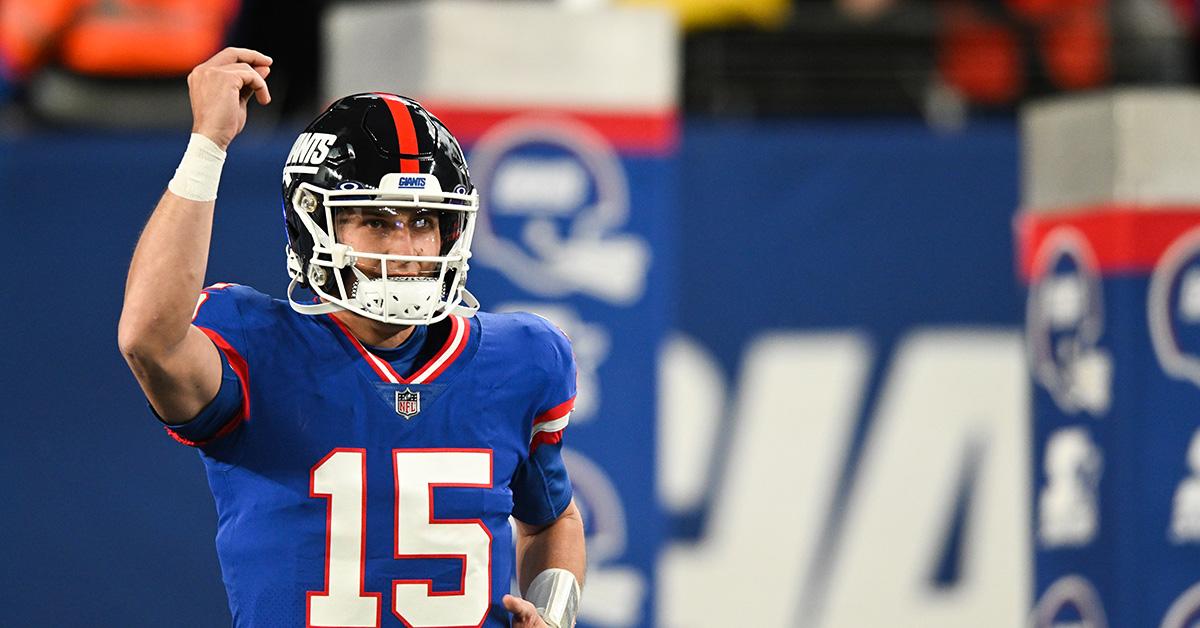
x=408 y=403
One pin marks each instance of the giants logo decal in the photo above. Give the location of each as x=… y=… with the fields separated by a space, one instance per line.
x=308 y=152
x=411 y=182
x=311 y=149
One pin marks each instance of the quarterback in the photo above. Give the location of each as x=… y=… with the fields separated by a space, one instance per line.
x=367 y=439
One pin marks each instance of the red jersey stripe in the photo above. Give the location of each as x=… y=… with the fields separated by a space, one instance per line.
x=243 y=372
x=545 y=438
x=380 y=366
x=557 y=412
x=460 y=332
x=456 y=341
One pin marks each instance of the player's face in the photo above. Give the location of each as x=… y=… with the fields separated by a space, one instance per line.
x=392 y=232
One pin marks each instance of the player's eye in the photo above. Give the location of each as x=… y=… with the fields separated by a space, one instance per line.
x=423 y=220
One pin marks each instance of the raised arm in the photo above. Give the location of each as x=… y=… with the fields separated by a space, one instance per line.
x=176 y=365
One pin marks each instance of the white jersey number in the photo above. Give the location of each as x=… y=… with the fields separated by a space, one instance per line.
x=341 y=477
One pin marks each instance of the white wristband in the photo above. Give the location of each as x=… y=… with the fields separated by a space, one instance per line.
x=199 y=172
x=555 y=593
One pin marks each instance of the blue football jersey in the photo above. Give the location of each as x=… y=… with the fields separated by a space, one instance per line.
x=350 y=492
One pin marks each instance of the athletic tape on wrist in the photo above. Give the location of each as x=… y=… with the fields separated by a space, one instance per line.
x=199 y=172
x=555 y=593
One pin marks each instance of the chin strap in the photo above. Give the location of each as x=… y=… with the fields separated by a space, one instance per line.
x=468 y=305
x=312 y=309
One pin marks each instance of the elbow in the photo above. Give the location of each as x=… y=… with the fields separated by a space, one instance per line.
x=128 y=338
x=132 y=345
x=131 y=337
x=136 y=341
x=143 y=354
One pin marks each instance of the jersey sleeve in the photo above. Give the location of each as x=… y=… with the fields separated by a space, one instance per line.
x=220 y=315
x=218 y=417
x=541 y=486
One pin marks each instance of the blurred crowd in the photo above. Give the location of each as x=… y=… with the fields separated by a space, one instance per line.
x=121 y=63
x=106 y=63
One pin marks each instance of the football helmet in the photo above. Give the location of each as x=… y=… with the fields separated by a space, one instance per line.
x=386 y=155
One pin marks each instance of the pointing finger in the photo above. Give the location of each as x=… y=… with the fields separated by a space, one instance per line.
x=255 y=82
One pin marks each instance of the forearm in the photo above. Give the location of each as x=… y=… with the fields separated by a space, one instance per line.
x=166 y=275
x=560 y=544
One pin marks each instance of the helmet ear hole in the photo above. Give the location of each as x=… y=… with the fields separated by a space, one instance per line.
x=317 y=275
x=305 y=200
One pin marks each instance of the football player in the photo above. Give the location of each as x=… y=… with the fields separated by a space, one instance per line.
x=365 y=446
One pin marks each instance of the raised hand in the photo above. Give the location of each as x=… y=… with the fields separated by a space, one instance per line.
x=220 y=89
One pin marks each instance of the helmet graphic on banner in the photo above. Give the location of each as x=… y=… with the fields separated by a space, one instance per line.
x=1069 y=601
x=557 y=202
x=1185 y=611
x=383 y=164
x=1064 y=323
x=1173 y=308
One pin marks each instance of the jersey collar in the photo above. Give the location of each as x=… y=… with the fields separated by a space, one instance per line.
x=452 y=348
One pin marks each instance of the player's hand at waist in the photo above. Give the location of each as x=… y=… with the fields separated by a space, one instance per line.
x=220 y=89
x=523 y=612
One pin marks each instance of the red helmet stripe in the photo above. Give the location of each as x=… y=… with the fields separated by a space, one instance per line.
x=406 y=134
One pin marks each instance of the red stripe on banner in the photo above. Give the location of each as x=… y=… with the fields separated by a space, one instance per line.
x=557 y=412
x=1126 y=239
x=654 y=132
x=406 y=134
x=243 y=372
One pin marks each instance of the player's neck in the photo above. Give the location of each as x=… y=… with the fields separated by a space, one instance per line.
x=373 y=332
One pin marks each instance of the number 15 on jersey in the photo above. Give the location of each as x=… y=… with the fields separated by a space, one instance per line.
x=341 y=478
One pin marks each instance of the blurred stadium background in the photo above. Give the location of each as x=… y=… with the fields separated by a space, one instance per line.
x=791 y=241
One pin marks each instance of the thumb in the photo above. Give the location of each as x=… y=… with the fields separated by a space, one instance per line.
x=514 y=605
x=523 y=611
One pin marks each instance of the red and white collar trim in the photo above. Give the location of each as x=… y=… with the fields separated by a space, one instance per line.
x=456 y=341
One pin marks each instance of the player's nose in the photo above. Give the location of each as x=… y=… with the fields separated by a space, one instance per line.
x=402 y=243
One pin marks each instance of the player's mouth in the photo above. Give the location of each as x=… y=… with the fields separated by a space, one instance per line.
x=415 y=275
x=394 y=274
